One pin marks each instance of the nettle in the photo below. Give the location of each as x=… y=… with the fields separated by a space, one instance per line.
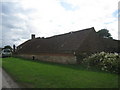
x=104 y=61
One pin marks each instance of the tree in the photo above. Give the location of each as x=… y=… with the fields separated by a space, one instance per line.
x=7 y=47
x=104 y=33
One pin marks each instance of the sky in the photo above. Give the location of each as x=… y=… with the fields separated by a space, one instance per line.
x=44 y=18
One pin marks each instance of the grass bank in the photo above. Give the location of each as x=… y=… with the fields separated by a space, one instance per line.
x=47 y=75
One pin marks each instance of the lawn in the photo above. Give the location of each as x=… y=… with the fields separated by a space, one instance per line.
x=34 y=74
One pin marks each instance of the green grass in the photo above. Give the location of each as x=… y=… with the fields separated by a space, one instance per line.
x=47 y=75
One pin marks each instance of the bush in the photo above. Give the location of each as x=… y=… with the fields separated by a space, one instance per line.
x=81 y=56
x=104 y=61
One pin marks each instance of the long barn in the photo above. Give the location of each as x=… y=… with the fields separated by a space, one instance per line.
x=64 y=48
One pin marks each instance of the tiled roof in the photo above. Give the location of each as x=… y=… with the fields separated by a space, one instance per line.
x=64 y=43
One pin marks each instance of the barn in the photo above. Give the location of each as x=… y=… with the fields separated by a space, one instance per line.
x=65 y=47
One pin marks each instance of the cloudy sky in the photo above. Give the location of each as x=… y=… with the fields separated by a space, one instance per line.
x=45 y=18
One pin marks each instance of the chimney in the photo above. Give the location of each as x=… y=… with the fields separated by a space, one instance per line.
x=33 y=36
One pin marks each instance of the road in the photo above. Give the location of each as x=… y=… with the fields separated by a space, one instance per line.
x=7 y=81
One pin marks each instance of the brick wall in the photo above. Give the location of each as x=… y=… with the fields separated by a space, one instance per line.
x=58 y=58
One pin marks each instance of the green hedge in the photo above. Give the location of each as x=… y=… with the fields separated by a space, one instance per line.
x=104 y=61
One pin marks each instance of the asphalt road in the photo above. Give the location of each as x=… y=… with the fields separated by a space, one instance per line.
x=7 y=81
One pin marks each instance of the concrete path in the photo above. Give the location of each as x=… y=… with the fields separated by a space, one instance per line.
x=7 y=81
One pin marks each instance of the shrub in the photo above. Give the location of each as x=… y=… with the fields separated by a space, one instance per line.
x=104 y=61
x=81 y=56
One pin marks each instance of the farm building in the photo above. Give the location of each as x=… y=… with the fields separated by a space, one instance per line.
x=64 y=48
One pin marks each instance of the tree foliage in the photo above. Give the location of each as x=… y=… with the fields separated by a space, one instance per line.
x=104 y=33
x=8 y=47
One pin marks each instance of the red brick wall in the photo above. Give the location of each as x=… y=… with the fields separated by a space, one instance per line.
x=58 y=58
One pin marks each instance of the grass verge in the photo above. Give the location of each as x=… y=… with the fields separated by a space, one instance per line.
x=47 y=75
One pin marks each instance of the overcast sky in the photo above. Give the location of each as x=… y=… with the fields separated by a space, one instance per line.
x=45 y=18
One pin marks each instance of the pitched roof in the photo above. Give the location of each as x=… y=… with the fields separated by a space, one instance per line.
x=64 y=43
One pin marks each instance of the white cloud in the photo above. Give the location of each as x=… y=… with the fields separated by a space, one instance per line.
x=49 y=17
